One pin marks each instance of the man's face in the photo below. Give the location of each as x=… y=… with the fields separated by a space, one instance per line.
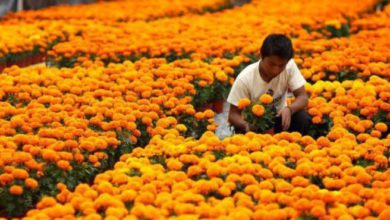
x=273 y=65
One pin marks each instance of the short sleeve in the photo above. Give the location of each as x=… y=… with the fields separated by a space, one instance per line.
x=296 y=80
x=238 y=91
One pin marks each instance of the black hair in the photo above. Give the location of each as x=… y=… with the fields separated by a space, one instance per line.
x=277 y=44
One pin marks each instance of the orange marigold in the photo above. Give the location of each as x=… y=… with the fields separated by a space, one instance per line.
x=258 y=110
x=213 y=170
x=20 y=174
x=64 y=165
x=31 y=183
x=318 y=211
x=174 y=164
x=243 y=103
x=16 y=190
x=384 y=215
x=382 y=127
x=6 y=178
x=266 y=99
x=316 y=120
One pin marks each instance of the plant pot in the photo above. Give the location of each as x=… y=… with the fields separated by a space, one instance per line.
x=270 y=131
x=208 y=105
x=38 y=58
x=25 y=61
x=3 y=65
x=218 y=106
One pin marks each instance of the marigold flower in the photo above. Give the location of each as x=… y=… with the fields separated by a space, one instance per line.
x=243 y=103
x=16 y=190
x=31 y=183
x=266 y=99
x=382 y=127
x=258 y=110
x=20 y=173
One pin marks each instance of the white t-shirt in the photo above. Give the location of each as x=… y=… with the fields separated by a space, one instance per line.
x=249 y=84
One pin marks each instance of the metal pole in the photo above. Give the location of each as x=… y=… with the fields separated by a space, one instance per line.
x=19 y=7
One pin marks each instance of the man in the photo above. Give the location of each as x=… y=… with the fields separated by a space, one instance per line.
x=275 y=73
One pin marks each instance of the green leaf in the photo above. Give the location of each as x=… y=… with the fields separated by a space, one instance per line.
x=363 y=162
x=317 y=181
x=134 y=172
x=290 y=164
x=219 y=154
x=307 y=217
x=158 y=159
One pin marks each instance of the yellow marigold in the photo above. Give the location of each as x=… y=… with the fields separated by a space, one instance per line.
x=333 y=23
x=232 y=149
x=212 y=127
x=258 y=110
x=174 y=164
x=300 y=181
x=181 y=127
x=209 y=113
x=199 y=115
x=221 y=76
x=243 y=103
x=128 y=195
x=359 y=212
x=194 y=171
x=224 y=191
x=145 y=197
x=261 y=214
x=283 y=186
x=214 y=170
x=266 y=99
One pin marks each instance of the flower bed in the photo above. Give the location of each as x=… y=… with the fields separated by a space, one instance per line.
x=285 y=176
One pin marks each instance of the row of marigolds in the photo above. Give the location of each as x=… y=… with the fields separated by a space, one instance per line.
x=252 y=176
x=26 y=36
x=198 y=37
x=67 y=125
x=122 y=11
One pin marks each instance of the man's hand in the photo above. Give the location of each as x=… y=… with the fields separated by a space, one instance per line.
x=301 y=99
x=236 y=119
x=285 y=113
x=249 y=128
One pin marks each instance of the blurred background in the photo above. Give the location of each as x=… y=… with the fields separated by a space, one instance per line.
x=15 y=5
x=18 y=5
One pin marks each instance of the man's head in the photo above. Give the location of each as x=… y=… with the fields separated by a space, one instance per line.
x=275 y=53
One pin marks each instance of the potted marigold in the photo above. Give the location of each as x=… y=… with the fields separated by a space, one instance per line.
x=259 y=114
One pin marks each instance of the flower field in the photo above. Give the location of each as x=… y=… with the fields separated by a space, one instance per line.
x=119 y=123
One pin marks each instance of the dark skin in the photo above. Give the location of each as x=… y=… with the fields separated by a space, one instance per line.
x=269 y=68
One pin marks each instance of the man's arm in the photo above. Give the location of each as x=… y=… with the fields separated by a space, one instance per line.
x=301 y=99
x=235 y=119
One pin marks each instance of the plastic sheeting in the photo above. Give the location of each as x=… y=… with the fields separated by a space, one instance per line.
x=7 y=5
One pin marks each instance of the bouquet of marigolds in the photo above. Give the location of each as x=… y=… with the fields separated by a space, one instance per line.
x=260 y=114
